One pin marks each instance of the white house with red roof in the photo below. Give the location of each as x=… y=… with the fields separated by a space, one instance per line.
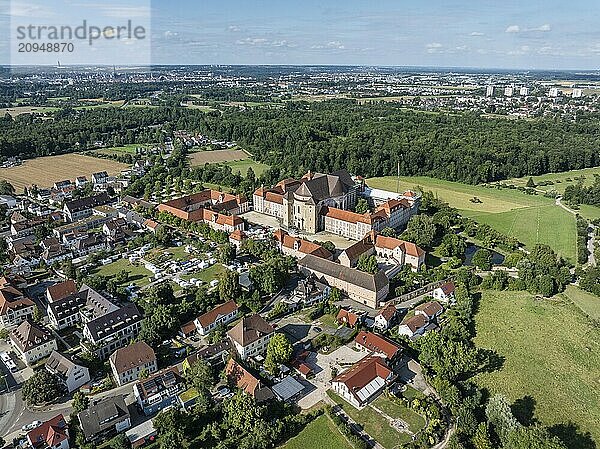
x=386 y=317
x=363 y=381
x=378 y=345
x=429 y=310
x=444 y=292
x=220 y=315
x=53 y=434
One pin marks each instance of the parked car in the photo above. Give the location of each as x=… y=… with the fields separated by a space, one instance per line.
x=32 y=425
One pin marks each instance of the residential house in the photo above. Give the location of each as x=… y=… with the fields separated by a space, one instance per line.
x=158 y=391
x=386 y=317
x=250 y=336
x=308 y=292
x=129 y=362
x=214 y=355
x=363 y=381
x=378 y=345
x=414 y=326
x=52 y=434
x=429 y=310
x=444 y=292
x=14 y=306
x=90 y=244
x=75 y=210
x=28 y=227
x=218 y=316
x=113 y=330
x=240 y=377
x=365 y=288
x=144 y=433
x=104 y=418
x=32 y=342
x=61 y=290
x=349 y=318
x=70 y=374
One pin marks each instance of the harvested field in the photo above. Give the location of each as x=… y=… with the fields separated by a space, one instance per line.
x=45 y=171
x=203 y=157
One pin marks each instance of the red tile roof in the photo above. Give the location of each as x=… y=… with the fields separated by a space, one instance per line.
x=132 y=356
x=211 y=316
x=362 y=373
x=430 y=308
x=416 y=322
x=375 y=343
x=388 y=312
x=346 y=317
x=51 y=433
x=301 y=245
x=62 y=290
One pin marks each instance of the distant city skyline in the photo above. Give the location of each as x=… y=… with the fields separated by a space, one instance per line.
x=485 y=34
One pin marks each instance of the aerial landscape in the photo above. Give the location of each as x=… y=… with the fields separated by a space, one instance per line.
x=300 y=226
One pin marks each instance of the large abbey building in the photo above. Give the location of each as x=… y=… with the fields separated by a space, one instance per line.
x=319 y=202
x=299 y=203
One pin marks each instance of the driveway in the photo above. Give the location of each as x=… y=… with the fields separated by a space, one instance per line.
x=322 y=364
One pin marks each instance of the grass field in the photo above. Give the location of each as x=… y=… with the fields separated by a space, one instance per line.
x=45 y=171
x=210 y=157
x=206 y=275
x=551 y=354
x=375 y=424
x=138 y=275
x=243 y=166
x=125 y=149
x=550 y=225
x=590 y=304
x=565 y=178
x=319 y=434
x=530 y=218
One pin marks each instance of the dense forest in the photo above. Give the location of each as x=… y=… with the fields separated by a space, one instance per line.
x=580 y=194
x=368 y=139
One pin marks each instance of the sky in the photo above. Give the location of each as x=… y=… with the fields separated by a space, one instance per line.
x=501 y=34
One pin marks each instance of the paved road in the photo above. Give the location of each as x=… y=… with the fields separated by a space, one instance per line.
x=15 y=414
x=592 y=246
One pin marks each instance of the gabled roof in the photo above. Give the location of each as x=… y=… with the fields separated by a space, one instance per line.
x=365 y=377
x=103 y=415
x=448 y=288
x=11 y=298
x=346 y=316
x=388 y=312
x=430 y=308
x=240 y=377
x=212 y=315
x=415 y=323
x=132 y=356
x=301 y=245
x=373 y=282
x=59 y=365
x=376 y=343
x=62 y=290
x=250 y=329
x=51 y=433
x=29 y=335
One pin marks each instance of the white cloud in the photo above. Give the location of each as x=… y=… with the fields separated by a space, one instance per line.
x=234 y=28
x=262 y=42
x=170 y=33
x=252 y=41
x=513 y=29
x=337 y=45
x=543 y=28
x=477 y=34
x=433 y=47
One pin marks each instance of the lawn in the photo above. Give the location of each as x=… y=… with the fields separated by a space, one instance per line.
x=566 y=178
x=206 y=275
x=551 y=354
x=530 y=218
x=45 y=171
x=243 y=166
x=19 y=110
x=550 y=225
x=321 y=433
x=125 y=149
x=373 y=423
x=137 y=273
x=590 y=304
x=396 y=409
